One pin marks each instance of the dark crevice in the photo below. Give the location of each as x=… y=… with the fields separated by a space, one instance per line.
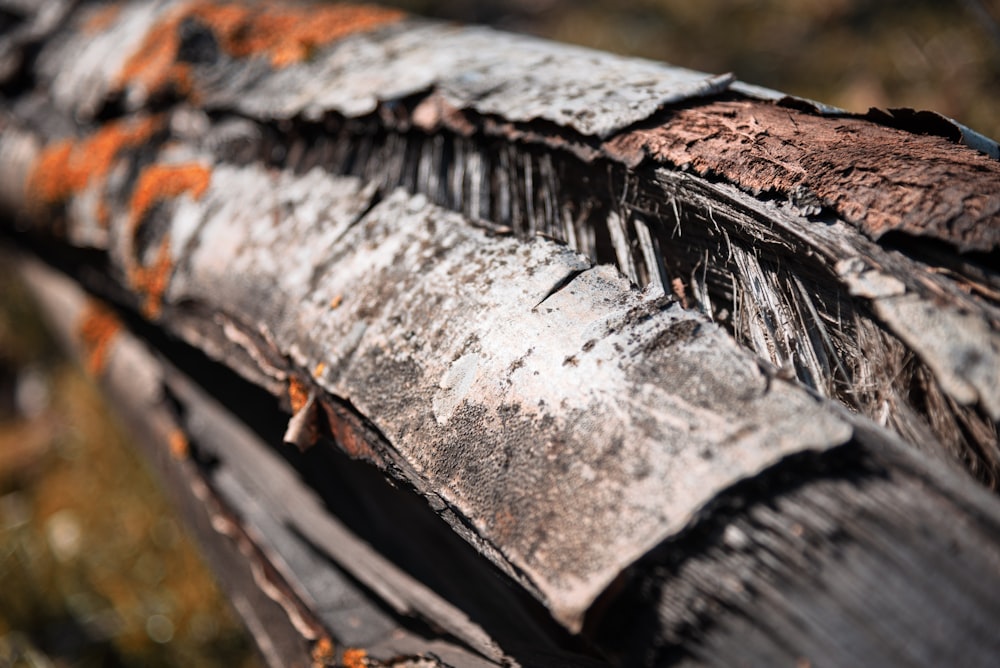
x=561 y=284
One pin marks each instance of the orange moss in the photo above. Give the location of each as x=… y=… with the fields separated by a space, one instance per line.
x=98 y=327
x=101 y=19
x=179 y=445
x=298 y=394
x=286 y=35
x=67 y=167
x=152 y=280
x=355 y=658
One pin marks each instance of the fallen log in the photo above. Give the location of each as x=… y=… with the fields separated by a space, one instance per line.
x=662 y=366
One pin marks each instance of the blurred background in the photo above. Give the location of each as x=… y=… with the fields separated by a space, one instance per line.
x=95 y=570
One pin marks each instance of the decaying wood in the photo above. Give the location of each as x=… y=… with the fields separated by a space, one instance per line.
x=678 y=363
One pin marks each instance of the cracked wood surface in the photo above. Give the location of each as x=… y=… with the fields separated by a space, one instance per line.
x=397 y=228
x=404 y=102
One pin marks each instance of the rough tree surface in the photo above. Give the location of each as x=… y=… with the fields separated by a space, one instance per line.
x=662 y=367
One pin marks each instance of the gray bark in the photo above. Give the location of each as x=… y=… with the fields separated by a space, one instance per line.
x=604 y=325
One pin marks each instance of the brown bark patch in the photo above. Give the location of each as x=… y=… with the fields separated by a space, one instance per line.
x=97 y=329
x=877 y=178
x=350 y=436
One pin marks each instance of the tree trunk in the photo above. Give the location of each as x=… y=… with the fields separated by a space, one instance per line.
x=469 y=348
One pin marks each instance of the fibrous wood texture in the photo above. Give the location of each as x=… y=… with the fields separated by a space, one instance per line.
x=675 y=360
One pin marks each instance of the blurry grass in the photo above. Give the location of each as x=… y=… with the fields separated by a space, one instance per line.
x=95 y=569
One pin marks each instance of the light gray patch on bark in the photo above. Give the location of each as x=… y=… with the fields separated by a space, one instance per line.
x=962 y=350
x=515 y=77
x=81 y=68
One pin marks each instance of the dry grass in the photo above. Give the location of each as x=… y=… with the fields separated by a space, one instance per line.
x=95 y=569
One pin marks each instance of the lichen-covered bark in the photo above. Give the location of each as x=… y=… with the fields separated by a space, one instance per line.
x=572 y=300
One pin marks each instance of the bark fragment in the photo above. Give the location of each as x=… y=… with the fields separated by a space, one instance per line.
x=875 y=177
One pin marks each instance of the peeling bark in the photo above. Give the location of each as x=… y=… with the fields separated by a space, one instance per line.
x=602 y=326
x=866 y=174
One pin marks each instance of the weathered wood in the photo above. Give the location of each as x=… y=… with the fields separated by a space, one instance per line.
x=394 y=229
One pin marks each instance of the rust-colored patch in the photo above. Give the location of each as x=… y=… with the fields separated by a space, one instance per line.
x=877 y=178
x=355 y=658
x=154 y=65
x=323 y=652
x=179 y=445
x=285 y=35
x=298 y=394
x=98 y=327
x=349 y=435
x=101 y=18
x=67 y=167
x=152 y=280
x=159 y=182
x=318 y=371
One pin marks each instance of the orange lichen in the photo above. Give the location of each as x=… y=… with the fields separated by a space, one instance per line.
x=97 y=328
x=323 y=652
x=152 y=280
x=178 y=444
x=67 y=167
x=285 y=35
x=318 y=371
x=157 y=183
x=355 y=658
x=298 y=394
x=337 y=301
x=160 y=182
x=155 y=65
